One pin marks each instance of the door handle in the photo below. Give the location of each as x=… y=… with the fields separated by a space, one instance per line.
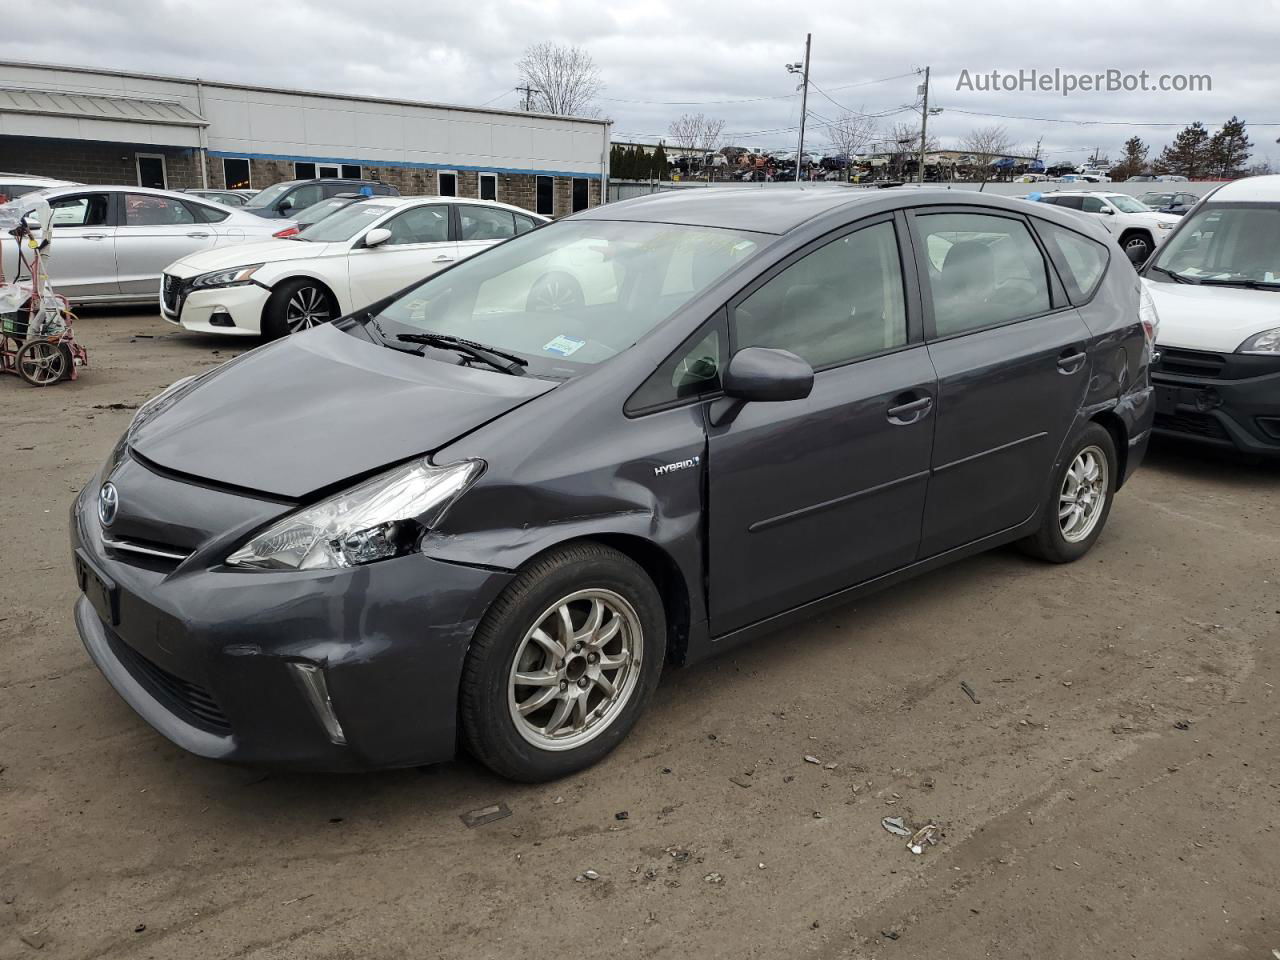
x=910 y=412
x=94 y=236
x=1071 y=360
x=199 y=236
x=442 y=258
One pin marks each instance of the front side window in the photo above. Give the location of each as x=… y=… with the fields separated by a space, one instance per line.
x=86 y=210
x=572 y=294
x=1223 y=245
x=693 y=370
x=146 y=210
x=983 y=270
x=486 y=223
x=305 y=196
x=1092 y=205
x=420 y=225
x=842 y=301
x=346 y=223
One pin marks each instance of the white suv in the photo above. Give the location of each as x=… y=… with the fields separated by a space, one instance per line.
x=1136 y=227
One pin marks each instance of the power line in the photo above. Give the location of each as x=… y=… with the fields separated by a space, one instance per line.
x=779 y=96
x=1097 y=123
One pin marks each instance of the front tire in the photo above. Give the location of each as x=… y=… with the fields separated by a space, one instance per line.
x=563 y=664
x=1079 y=499
x=297 y=305
x=1138 y=240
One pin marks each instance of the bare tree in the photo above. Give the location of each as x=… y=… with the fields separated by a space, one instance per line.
x=986 y=145
x=696 y=134
x=850 y=134
x=903 y=144
x=564 y=80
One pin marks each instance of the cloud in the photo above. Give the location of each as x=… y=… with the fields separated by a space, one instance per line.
x=654 y=53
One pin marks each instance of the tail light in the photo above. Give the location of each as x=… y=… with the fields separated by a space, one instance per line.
x=286 y=232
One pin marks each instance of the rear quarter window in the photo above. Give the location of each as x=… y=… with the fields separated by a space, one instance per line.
x=1080 y=260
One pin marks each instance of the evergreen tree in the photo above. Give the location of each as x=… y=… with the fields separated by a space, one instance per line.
x=661 y=165
x=1229 y=150
x=1188 y=155
x=1133 y=161
x=615 y=161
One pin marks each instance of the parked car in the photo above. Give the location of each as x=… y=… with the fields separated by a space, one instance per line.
x=317 y=212
x=232 y=198
x=346 y=260
x=293 y=196
x=1216 y=283
x=1171 y=178
x=1176 y=203
x=1134 y=225
x=1141 y=178
x=432 y=523
x=13 y=185
x=112 y=243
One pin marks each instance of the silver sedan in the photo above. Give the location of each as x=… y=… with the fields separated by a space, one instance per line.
x=110 y=244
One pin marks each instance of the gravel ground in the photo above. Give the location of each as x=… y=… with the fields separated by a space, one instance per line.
x=1115 y=792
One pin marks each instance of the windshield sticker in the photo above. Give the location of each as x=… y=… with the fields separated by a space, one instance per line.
x=564 y=345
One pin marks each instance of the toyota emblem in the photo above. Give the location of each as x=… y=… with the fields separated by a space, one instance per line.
x=108 y=503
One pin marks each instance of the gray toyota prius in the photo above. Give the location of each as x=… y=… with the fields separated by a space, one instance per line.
x=486 y=511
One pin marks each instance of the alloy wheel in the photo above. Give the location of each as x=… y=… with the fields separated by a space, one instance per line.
x=307 y=308
x=575 y=670
x=1083 y=495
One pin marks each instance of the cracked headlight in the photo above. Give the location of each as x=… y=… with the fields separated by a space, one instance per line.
x=381 y=518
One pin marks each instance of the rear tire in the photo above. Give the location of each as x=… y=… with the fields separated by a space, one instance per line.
x=541 y=697
x=295 y=306
x=1079 y=499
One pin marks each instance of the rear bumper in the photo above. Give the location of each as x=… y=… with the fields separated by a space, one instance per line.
x=1239 y=410
x=209 y=657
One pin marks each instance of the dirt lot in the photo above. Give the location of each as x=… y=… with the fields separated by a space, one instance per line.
x=1080 y=819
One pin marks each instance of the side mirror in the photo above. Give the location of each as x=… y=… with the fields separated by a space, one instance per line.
x=762 y=375
x=377 y=236
x=285 y=205
x=1108 y=211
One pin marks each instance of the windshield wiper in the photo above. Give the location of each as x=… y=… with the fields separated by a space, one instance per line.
x=506 y=362
x=1176 y=277
x=1240 y=282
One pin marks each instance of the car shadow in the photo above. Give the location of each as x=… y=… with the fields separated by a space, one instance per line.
x=1196 y=461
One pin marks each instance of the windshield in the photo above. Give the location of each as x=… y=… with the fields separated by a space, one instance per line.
x=572 y=293
x=1127 y=204
x=318 y=211
x=268 y=196
x=1220 y=243
x=1157 y=199
x=344 y=224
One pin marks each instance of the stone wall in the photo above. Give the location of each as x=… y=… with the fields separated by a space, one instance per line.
x=88 y=161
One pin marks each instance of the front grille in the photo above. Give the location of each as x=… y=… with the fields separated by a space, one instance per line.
x=1190 y=363
x=190 y=701
x=173 y=292
x=1195 y=424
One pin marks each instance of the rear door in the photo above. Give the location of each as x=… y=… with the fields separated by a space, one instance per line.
x=481 y=227
x=81 y=261
x=1012 y=362
x=420 y=245
x=155 y=231
x=807 y=497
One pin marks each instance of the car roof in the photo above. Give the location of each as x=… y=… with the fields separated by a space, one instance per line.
x=1250 y=190
x=1085 y=193
x=27 y=178
x=474 y=201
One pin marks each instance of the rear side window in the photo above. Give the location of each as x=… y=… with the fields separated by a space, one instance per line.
x=209 y=213
x=841 y=302
x=984 y=270
x=1085 y=260
x=524 y=224
x=149 y=210
x=485 y=223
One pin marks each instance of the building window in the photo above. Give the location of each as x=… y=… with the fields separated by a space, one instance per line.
x=581 y=193
x=545 y=194
x=448 y=180
x=151 y=172
x=351 y=171
x=304 y=171
x=488 y=186
x=235 y=173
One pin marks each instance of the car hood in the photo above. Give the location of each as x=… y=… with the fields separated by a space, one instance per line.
x=317 y=408
x=1212 y=318
x=242 y=254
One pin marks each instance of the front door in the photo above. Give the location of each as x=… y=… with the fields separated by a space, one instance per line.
x=1012 y=365
x=81 y=260
x=807 y=497
x=154 y=232
x=419 y=246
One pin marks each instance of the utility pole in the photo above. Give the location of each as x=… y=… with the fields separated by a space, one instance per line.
x=528 y=97
x=803 y=70
x=924 y=126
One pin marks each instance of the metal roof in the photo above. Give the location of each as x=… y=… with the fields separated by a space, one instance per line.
x=50 y=103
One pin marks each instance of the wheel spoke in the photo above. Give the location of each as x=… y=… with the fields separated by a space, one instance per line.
x=610 y=631
x=566 y=625
x=614 y=663
x=542 y=678
x=605 y=684
x=594 y=619
x=553 y=647
x=558 y=716
x=538 y=700
x=580 y=711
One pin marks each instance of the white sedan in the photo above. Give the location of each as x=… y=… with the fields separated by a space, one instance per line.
x=348 y=260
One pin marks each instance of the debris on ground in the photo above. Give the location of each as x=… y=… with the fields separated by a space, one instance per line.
x=812 y=759
x=896 y=826
x=140 y=928
x=890 y=934
x=115 y=406
x=557 y=799
x=830 y=766
x=968 y=691
x=713 y=877
x=36 y=939
x=586 y=875
x=477 y=818
x=622 y=815
x=678 y=854
x=928 y=835
x=740 y=781
x=1182 y=725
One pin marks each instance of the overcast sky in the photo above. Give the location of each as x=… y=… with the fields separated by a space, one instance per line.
x=654 y=53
